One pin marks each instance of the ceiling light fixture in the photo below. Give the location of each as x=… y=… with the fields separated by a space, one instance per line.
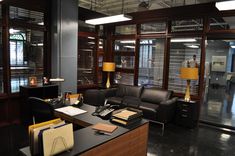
x=109 y=19
x=233 y=46
x=193 y=46
x=183 y=40
x=227 y=5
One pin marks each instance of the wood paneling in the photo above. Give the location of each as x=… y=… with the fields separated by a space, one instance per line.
x=131 y=143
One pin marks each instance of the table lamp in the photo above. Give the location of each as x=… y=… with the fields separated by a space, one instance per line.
x=188 y=74
x=108 y=67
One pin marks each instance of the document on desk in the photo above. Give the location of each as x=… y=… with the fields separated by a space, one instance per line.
x=70 y=110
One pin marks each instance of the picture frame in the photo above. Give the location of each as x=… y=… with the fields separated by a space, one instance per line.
x=219 y=63
x=32 y=81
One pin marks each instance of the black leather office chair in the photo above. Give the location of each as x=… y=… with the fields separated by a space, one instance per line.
x=40 y=110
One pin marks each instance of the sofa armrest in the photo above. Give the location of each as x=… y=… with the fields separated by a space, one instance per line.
x=169 y=102
x=110 y=92
x=166 y=110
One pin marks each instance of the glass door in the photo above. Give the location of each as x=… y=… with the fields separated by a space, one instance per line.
x=219 y=83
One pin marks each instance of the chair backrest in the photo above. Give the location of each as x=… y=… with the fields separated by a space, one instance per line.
x=40 y=110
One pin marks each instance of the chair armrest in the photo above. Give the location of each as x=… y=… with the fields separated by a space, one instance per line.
x=169 y=102
x=110 y=92
x=166 y=110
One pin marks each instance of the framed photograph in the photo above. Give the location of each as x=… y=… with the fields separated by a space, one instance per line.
x=32 y=81
x=218 y=63
x=45 y=81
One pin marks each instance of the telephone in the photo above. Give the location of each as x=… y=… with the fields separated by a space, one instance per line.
x=103 y=111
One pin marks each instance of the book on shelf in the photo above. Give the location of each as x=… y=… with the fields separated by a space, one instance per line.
x=127 y=114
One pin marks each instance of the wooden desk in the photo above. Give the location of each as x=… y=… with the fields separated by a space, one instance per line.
x=131 y=140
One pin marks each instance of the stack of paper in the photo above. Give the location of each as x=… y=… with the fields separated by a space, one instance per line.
x=70 y=110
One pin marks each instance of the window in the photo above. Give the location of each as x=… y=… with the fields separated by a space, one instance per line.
x=1 y=56
x=27 y=16
x=182 y=51
x=1 y=63
x=125 y=30
x=26 y=56
x=187 y=25
x=124 y=58
x=151 y=62
x=149 y=28
x=86 y=60
x=222 y=23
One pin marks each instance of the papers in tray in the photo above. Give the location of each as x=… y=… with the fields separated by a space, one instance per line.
x=70 y=110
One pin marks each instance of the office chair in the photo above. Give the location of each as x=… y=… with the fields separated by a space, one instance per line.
x=40 y=110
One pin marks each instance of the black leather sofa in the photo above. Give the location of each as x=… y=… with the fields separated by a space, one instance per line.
x=157 y=104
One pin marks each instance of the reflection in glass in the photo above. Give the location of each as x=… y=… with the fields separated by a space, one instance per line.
x=127 y=62
x=222 y=23
x=86 y=68
x=125 y=29
x=124 y=78
x=149 y=28
x=124 y=45
x=26 y=56
x=182 y=51
x=151 y=61
x=29 y=16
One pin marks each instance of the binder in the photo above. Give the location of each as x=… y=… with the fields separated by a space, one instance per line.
x=58 y=139
x=33 y=131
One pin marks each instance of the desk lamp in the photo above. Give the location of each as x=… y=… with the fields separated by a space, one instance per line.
x=188 y=74
x=108 y=67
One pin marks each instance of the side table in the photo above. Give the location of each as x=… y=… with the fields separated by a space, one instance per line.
x=187 y=113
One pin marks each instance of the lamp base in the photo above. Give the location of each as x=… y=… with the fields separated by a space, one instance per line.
x=187 y=93
x=108 y=81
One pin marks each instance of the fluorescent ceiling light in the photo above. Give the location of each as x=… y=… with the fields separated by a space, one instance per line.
x=132 y=47
x=233 y=46
x=91 y=37
x=127 y=41
x=109 y=19
x=183 y=40
x=41 y=23
x=193 y=46
x=227 y=5
x=12 y=31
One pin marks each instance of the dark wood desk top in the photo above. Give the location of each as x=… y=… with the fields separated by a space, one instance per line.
x=86 y=138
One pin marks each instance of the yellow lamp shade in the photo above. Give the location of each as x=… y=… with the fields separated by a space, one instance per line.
x=189 y=73
x=109 y=66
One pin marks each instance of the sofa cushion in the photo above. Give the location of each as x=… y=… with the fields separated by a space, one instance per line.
x=154 y=95
x=149 y=110
x=130 y=101
x=94 y=97
x=114 y=100
x=126 y=90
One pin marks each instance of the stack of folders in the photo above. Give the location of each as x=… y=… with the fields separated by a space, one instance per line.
x=51 y=137
x=126 y=116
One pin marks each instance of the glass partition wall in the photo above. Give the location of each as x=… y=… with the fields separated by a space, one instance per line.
x=26 y=56
x=183 y=51
x=218 y=105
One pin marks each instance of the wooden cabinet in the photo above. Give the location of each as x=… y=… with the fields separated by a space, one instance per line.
x=187 y=113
